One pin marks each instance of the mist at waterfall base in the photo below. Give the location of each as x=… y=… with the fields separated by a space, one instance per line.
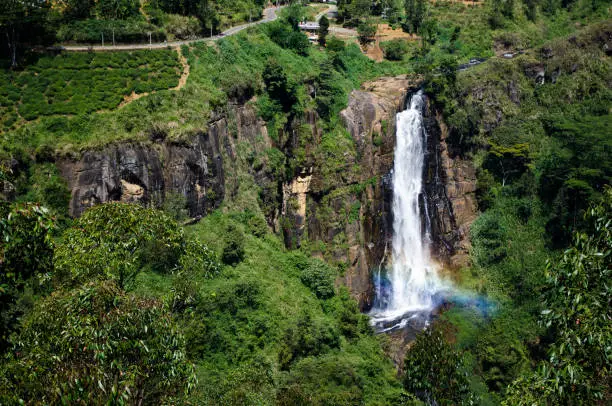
x=410 y=290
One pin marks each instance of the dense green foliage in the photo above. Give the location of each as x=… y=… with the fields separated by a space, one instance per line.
x=124 y=306
x=114 y=242
x=258 y=334
x=433 y=371
x=271 y=327
x=96 y=345
x=77 y=84
x=395 y=50
x=577 y=315
x=534 y=127
x=117 y=21
x=26 y=261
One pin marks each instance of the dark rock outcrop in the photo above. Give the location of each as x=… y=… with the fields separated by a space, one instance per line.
x=450 y=187
x=147 y=173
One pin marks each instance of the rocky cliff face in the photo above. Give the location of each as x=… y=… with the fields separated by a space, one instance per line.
x=450 y=187
x=150 y=172
x=344 y=217
x=349 y=215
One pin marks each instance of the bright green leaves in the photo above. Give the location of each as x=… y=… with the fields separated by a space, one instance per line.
x=26 y=260
x=233 y=251
x=507 y=162
x=26 y=249
x=577 y=314
x=434 y=370
x=115 y=241
x=97 y=345
x=318 y=276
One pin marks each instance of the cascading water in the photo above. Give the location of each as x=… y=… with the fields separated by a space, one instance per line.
x=412 y=283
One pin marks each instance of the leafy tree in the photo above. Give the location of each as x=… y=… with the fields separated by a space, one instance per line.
x=26 y=259
x=496 y=17
x=395 y=50
x=307 y=338
x=278 y=86
x=360 y=9
x=531 y=9
x=77 y=9
x=209 y=16
x=329 y=94
x=96 y=345
x=577 y=313
x=21 y=20
x=507 y=162
x=197 y=263
x=117 y=9
x=335 y=44
x=391 y=9
x=115 y=241
x=491 y=235
x=233 y=250
x=366 y=31
x=286 y=37
x=433 y=371
x=508 y=9
x=428 y=30
x=26 y=249
x=415 y=15
x=258 y=226
x=323 y=30
x=294 y=14
x=49 y=188
x=573 y=170
x=319 y=277
x=550 y=7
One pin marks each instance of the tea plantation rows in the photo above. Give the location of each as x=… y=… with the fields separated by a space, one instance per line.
x=72 y=84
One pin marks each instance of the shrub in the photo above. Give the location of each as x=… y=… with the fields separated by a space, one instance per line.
x=576 y=312
x=366 y=31
x=286 y=37
x=233 y=250
x=27 y=248
x=26 y=259
x=307 y=338
x=49 y=188
x=395 y=50
x=351 y=321
x=175 y=204
x=197 y=263
x=335 y=44
x=319 y=277
x=258 y=226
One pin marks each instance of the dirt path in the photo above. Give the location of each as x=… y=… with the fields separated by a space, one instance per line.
x=186 y=69
x=181 y=84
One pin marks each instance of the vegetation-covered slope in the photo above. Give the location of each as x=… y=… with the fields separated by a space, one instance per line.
x=125 y=306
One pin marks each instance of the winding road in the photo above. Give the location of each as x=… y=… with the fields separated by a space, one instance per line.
x=269 y=14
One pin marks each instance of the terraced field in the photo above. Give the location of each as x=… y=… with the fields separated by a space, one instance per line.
x=80 y=83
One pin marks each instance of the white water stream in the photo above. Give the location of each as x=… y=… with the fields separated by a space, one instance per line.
x=412 y=282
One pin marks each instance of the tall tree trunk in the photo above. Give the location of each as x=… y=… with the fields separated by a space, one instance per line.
x=12 y=45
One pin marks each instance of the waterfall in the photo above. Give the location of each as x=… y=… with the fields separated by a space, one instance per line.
x=411 y=284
